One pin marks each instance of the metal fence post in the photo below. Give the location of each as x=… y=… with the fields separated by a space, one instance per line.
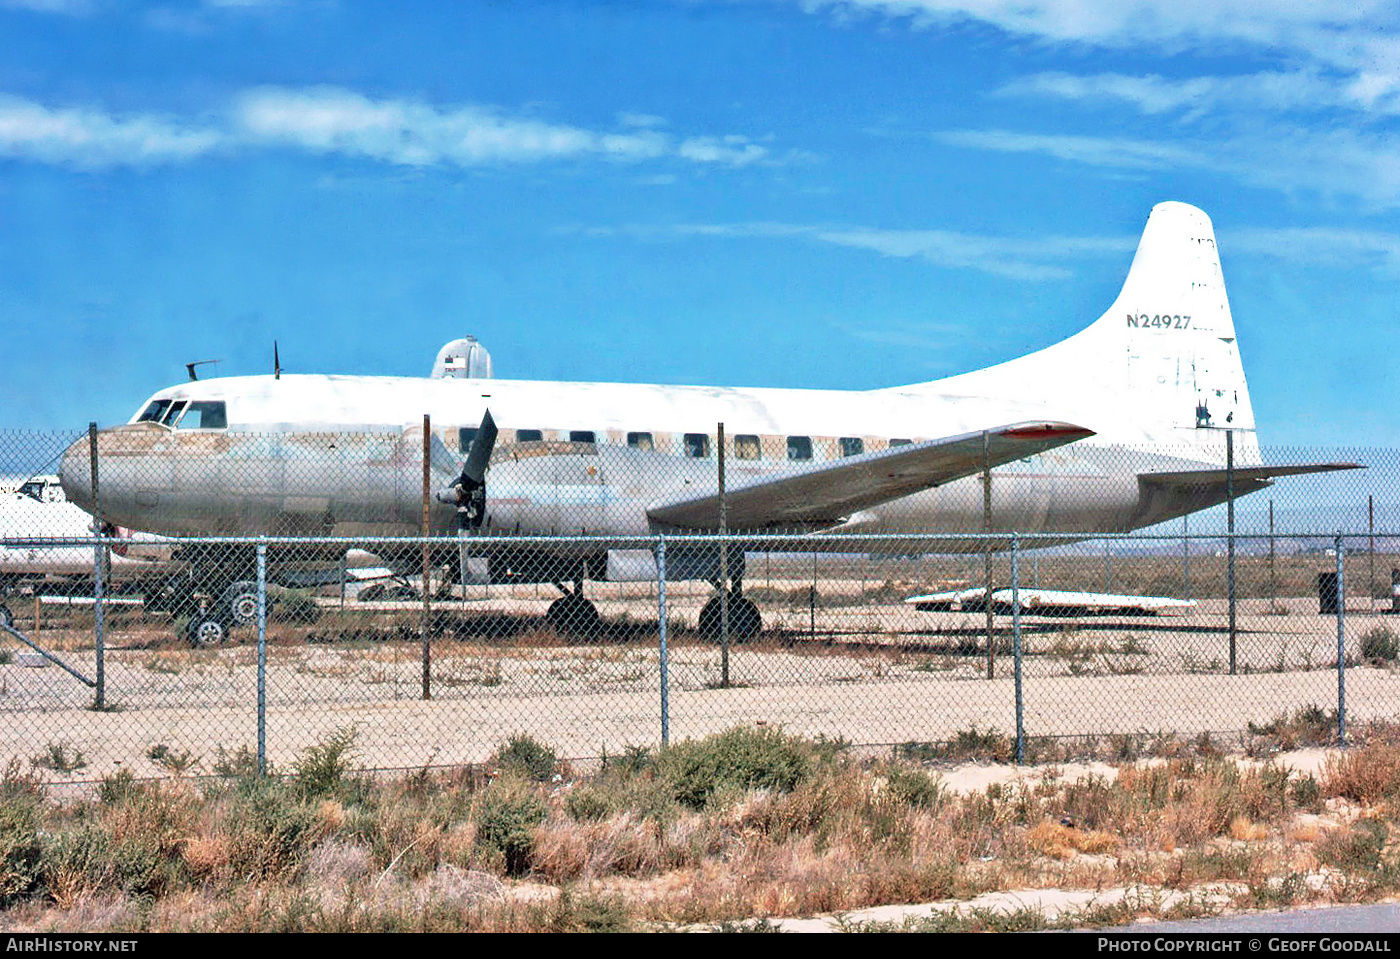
x=1016 y=647
x=661 y=630
x=262 y=658
x=1341 y=646
x=723 y=569
x=1230 y=536
x=987 y=555
x=99 y=700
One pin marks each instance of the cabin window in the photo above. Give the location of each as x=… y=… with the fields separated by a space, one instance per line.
x=582 y=436
x=205 y=415
x=466 y=436
x=640 y=441
x=697 y=445
x=528 y=436
x=799 y=447
x=746 y=447
x=894 y=443
x=852 y=446
x=153 y=412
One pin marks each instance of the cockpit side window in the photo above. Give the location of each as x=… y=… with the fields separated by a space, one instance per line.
x=172 y=415
x=205 y=415
x=153 y=411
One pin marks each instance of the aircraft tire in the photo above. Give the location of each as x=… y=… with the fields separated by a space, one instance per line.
x=574 y=616
x=205 y=632
x=241 y=600
x=7 y=618
x=745 y=621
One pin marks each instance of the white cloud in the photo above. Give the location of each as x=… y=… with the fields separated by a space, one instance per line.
x=1118 y=152
x=1032 y=260
x=1328 y=29
x=407 y=132
x=1319 y=245
x=72 y=7
x=330 y=120
x=91 y=138
x=1332 y=162
x=1359 y=40
x=1297 y=91
x=730 y=150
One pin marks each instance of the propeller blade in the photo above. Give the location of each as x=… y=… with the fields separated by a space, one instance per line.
x=471 y=485
x=479 y=457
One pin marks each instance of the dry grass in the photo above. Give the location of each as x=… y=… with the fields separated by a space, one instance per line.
x=748 y=824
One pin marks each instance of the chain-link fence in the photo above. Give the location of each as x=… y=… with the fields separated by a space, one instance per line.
x=259 y=591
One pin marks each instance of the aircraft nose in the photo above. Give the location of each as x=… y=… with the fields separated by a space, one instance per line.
x=75 y=474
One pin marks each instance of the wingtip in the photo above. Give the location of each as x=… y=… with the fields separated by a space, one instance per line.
x=1043 y=431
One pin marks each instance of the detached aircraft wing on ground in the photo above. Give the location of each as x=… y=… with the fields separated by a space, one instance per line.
x=1050 y=602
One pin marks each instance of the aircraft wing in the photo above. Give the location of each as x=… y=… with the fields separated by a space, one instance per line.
x=825 y=495
x=1243 y=474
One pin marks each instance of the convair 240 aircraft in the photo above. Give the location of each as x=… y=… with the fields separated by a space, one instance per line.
x=1118 y=427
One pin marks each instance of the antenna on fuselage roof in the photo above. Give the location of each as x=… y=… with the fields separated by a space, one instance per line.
x=276 y=362
x=191 y=366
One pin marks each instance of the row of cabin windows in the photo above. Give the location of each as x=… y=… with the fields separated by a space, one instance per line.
x=747 y=446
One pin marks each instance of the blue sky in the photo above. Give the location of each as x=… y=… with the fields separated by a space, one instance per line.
x=740 y=192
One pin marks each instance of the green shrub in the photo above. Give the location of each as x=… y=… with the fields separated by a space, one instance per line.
x=324 y=769
x=61 y=758
x=21 y=847
x=739 y=759
x=269 y=828
x=509 y=813
x=1379 y=644
x=588 y=804
x=526 y=757
x=914 y=787
x=293 y=606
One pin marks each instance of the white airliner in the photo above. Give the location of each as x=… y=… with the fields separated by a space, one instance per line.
x=1144 y=398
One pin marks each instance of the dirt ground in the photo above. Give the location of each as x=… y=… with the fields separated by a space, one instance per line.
x=857 y=664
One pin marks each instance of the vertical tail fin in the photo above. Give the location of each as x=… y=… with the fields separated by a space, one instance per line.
x=1160 y=367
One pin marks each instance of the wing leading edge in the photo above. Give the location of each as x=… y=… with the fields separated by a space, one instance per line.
x=825 y=495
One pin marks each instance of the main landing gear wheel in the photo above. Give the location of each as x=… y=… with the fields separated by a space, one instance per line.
x=241 y=600
x=204 y=632
x=572 y=615
x=745 y=622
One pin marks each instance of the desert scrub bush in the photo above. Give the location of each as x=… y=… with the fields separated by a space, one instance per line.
x=1355 y=849
x=525 y=757
x=78 y=863
x=22 y=816
x=324 y=769
x=1379 y=645
x=177 y=761
x=1308 y=726
x=60 y=758
x=914 y=787
x=737 y=760
x=268 y=828
x=505 y=825
x=293 y=606
x=1368 y=775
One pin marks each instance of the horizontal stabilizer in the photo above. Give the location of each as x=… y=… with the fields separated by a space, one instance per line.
x=1242 y=474
x=825 y=495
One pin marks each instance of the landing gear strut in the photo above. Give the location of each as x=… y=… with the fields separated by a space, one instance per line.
x=572 y=614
